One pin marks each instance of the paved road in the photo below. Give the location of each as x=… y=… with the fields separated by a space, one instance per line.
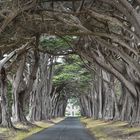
x=68 y=129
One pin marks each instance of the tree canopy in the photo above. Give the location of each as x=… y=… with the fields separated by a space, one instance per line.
x=51 y=50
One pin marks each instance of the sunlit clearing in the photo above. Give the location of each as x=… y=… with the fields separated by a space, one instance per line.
x=73 y=108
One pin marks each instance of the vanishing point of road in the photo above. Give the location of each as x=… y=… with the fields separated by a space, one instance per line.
x=68 y=129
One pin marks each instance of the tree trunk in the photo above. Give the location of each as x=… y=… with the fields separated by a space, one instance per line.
x=16 y=91
x=100 y=94
x=6 y=118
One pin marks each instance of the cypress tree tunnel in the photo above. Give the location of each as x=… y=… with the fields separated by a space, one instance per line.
x=62 y=58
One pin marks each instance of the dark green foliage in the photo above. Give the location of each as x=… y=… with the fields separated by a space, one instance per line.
x=70 y=72
x=55 y=44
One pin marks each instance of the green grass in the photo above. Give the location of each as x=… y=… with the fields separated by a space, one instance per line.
x=109 y=130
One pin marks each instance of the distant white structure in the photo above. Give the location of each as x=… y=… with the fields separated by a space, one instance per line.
x=72 y=109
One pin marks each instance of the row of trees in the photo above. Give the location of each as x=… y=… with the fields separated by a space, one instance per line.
x=106 y=36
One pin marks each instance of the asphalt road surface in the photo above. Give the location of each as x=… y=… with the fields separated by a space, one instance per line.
x=68 y=129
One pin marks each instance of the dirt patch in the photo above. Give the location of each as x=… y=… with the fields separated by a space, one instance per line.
x=2 y=137
x=120 y=134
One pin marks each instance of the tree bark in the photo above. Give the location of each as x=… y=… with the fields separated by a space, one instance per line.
x=6 y=118
x=16 y=91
